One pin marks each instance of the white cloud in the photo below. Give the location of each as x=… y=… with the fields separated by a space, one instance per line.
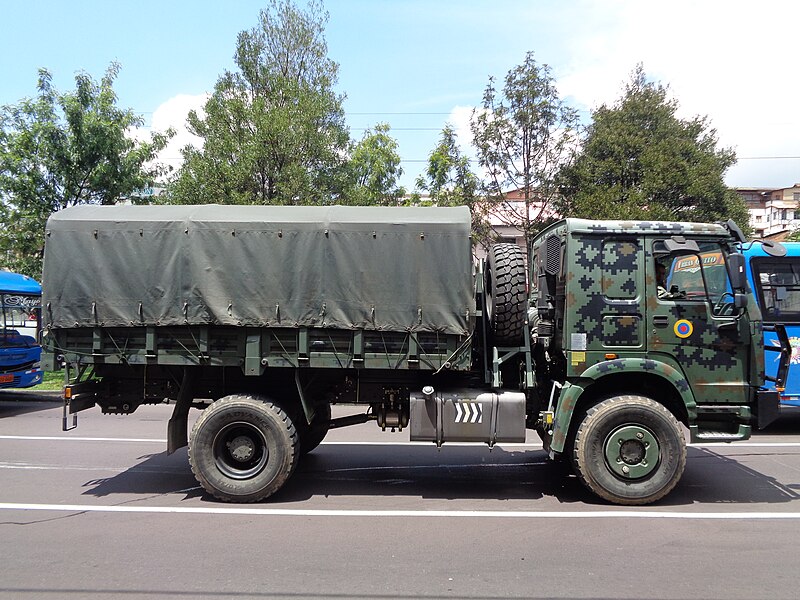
x=459 y=118
x=734 y=62
x=172 y=113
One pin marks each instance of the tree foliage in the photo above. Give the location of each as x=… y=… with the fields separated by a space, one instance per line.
x=375 y=169
x=640 y=161
x=273 y=130
x=523 y=135
x=61 y=149
x=449 y=181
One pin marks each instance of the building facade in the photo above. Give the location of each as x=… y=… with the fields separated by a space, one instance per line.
x=774 y=212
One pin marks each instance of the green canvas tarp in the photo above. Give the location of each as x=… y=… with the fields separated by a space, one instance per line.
x=374 y=268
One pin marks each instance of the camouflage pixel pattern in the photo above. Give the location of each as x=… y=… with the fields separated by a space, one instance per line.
x=572 y=391
x=611 y=312
x=609 y=319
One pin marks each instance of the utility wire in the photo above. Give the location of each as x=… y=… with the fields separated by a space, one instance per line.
x=767 y=157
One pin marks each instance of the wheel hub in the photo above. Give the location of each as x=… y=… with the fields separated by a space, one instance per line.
x=632 y=452
x=242 y=448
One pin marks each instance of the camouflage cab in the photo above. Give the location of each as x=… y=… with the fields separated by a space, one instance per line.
x=639 y=330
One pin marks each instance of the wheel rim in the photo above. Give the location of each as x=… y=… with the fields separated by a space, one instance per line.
x=240 y=450
x=632 y=452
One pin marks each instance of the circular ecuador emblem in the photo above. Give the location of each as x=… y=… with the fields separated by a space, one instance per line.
x=683 y=328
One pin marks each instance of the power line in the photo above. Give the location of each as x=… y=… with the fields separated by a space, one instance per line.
x=398 y=113
x=767 y=157
x=399 y=129
x=421 y=160
x=358 y=114
x=403 y=160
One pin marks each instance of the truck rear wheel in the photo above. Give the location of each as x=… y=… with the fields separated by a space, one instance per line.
x=243 y=448
x=506 y=293
x=629 y=450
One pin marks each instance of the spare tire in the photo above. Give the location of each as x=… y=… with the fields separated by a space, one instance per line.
x=506 y=294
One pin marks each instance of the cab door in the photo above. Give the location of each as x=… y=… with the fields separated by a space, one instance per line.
x=694 y=324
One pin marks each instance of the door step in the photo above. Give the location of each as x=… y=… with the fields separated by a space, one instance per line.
x=719 y=436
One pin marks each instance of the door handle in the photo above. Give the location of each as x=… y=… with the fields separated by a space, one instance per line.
x=660 y=321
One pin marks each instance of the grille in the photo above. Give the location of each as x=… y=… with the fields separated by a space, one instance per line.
x=552 y=258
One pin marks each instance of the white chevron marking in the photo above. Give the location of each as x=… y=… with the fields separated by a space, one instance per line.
x=468 y=412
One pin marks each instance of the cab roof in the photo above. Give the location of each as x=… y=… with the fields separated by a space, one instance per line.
x=639 y=227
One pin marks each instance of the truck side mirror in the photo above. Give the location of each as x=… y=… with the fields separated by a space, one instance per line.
x=773 y=248
x=736 y=271
x=735 y=231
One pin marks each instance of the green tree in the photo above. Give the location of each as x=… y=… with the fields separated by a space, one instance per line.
x=61 y=149
x=273 y=130
x=640 y=161
x=523 y=134
x=375 y=169
x=449 y=181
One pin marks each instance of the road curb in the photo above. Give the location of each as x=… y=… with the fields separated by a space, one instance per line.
x=30 y=396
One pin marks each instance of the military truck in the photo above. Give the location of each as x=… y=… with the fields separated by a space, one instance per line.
x=265 y=317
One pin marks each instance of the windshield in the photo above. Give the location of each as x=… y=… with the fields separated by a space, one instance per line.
x=689 y=276
x=778 y=287
x=20 y=313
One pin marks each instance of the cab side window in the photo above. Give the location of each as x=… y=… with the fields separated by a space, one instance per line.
x=694 y=277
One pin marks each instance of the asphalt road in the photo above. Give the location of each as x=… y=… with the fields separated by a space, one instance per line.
x=102 y=512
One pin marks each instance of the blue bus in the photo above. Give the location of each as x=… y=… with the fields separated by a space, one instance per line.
x=20 y=352
x=773 y=271
x=775 y=281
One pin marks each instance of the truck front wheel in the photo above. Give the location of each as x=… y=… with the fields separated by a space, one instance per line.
x=629 y=450
x=243 y=448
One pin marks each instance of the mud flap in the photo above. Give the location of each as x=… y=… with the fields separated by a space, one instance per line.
x=767 y=407
x=177 y=436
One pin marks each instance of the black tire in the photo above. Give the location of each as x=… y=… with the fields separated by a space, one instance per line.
x=312 y=435
x=506 y=294
x=243 y=448
x=629 y=450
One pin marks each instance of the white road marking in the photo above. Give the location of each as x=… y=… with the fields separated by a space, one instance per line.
x=745 y=445
x=55 y=438
x=164 y=441
x=532 y=445
x=48 y=467
x=473 y=514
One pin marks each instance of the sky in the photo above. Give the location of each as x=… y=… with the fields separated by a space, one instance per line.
x=419 y=64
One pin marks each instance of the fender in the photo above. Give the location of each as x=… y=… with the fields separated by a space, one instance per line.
x=572 y=391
